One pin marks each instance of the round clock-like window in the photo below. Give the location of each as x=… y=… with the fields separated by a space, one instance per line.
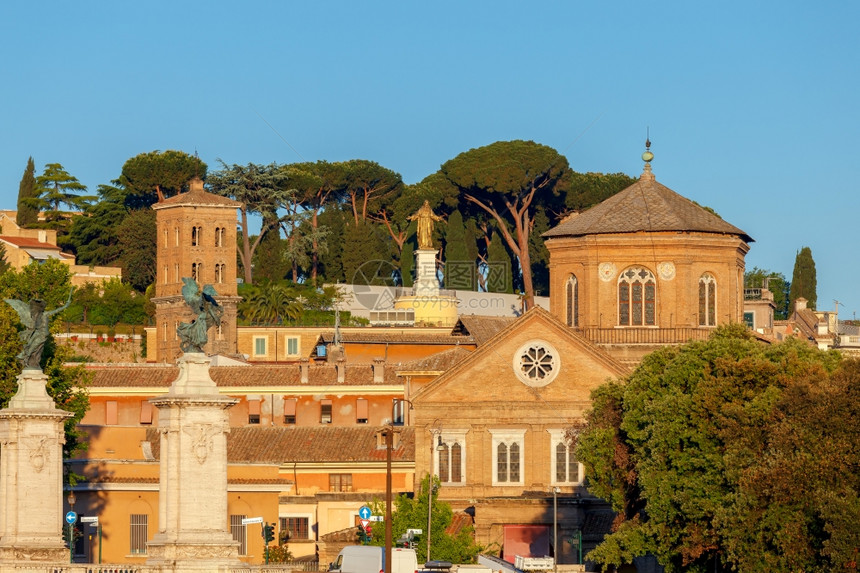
x=536 y=363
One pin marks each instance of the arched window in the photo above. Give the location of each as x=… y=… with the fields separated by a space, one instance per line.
x=197 y=271
x=196 y=236
x=571 y=293
x=707 y=300
x=218 y=270
x=637 y=295
x=219 y=236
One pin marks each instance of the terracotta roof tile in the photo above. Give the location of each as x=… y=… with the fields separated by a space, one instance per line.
x=439 y=362
x=162 y=375
x=306 y=444
x=197 y=196
x=644 y=206
x=482 y=328
x=27 y=243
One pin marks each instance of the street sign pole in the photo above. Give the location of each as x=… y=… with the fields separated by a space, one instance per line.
x=100 y=543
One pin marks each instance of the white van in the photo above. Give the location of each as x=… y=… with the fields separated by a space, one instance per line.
x=370 y=559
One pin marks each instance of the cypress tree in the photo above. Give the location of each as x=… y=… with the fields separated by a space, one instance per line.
x=407 y=262
x=803 y=281
x=500 y=274
x=459 y=268
x=27 y=214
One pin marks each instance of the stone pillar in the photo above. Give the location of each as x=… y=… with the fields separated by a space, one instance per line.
x=31 y=476
x=193 y=533
x=426 y=279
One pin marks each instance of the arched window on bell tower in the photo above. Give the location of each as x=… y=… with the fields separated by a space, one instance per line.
x=571 y=295
x=196 y=236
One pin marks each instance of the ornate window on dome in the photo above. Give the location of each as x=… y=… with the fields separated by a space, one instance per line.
x=707 y=300
x=571 y=294
x=637 y=295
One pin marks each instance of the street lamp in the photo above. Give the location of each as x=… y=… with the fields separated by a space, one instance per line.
x=555 y=491
x=435 y=436
x=71 y=499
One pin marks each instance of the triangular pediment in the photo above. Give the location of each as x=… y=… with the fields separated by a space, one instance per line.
x=537 y=359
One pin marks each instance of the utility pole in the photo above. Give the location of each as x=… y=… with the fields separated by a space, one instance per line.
x=389 y=443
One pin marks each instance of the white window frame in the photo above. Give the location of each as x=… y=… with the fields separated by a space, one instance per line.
x=451 y=437
x=508 y=436
x=556 y=436
x=265 y=341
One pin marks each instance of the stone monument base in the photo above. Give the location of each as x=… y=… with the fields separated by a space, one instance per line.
x=438 y=310
x=194 y=552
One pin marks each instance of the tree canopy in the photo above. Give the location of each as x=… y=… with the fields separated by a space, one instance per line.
x=156 y=175
x=729 y=455
x=28 y=213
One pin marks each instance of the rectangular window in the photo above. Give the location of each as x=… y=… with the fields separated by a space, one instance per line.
x=397 y=411
x=259 y=346
x=254 y=411
x=292 y=346
x=624 y=304
x=145 y=412
x=451 y=458
x=290 y=411
x=340 y=482
x=565 y=469
x=138 y=531
x=749 y=320
x=293 y=528
x=361 y=411
x=325 y=411
x=111 y=415
x=239 y=533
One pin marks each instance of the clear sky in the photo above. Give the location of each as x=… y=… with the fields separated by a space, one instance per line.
x=752 y=106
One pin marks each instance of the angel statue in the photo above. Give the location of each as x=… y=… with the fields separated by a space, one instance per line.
x=193 y=336
x=37 y=325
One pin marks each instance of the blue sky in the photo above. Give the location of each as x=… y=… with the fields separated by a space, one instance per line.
x=752 y=106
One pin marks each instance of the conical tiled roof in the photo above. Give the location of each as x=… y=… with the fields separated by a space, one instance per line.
x=644 y=206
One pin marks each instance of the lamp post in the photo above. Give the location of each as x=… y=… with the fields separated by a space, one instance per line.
x=435 y=443
x=71 y=499
x=555 y=491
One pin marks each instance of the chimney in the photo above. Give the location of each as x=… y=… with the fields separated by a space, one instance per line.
x=341 y=370
x=378 y=370
x=304 y=368
x=800 y=304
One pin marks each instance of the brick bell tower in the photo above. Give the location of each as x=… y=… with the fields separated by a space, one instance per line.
x=197 y=239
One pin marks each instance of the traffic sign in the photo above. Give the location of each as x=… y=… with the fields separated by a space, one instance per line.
x=364 y=512
x=94 y=519
x=249 y=520
x=71 y=517
x=365 y=523
x=377 y=518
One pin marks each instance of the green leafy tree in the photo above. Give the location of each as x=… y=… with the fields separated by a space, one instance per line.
x=66 y=385
x=457 y=254
x=262 y=190
x=412 y=513
x=317 y=186
x=156 y=175
x=4 y=264
x=95 y=236
x=585 y=190
x=539 y=252
x=694 y=451
x=366 y=183
x=505 y=181
x=56 y=187
x=269 y=303
x=28 y=213
x=364 y=245
x=118 y=302
x=803 y=281
x=137 y=248
x=407 y=264
x=776 y=284
x=499 y=270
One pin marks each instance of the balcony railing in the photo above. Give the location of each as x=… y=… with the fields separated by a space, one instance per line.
x=645 y=335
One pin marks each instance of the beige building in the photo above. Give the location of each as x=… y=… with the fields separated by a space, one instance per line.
x=23 y=246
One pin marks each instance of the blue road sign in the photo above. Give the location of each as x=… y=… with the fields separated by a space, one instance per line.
x=364 y=512
x=71 y=517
